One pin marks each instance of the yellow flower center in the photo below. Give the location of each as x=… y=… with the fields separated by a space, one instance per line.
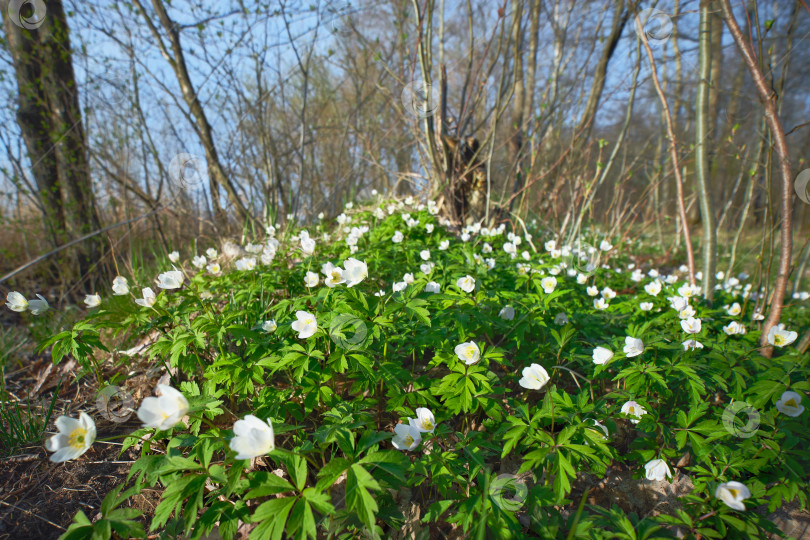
x=778 y=340
x=791 y=403
x=631 y=410
x=734 y=493
x=409 y=440
x=335 y=275
x=428 y=424
x=76 y=439
x=308 y=321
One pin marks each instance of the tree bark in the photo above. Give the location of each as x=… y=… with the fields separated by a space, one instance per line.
x=177 y=60
x=768 y=98
x=51 y=123
x=703 y=143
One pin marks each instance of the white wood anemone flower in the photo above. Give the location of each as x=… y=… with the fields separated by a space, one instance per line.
x=790 y=404
x=733 y=494
x=548 y=284
x=633 y=346
x=311 y=280
x=633 y=409
x=691 y=325
x=468 y=352
x=38 y=306
x=507 y=313
x=534 y=377
x=120 y=286
x=779 y=337
x=148 y=299
x=92 y=300
x=354 y=272
x=16 y=302
x=602 y=355
x=74 y=438
x=406 y=437
x=170 y=280
x=466 y=284
x=424 y=421
x=165 y=411
x=306 y=325
x=269 y=326
x=253 y=437
x=657 y=469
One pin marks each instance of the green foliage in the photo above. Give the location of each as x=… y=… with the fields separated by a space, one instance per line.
x=335 y=397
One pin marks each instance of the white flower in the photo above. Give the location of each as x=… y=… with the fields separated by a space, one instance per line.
x=165 y=411
x=426 y=268
x=687 y=290
x=691 y=344
x=466 y=284
x=246 y=263
x=633 y=346
x=170 y=280
x=399 y=286
x=16 y=302
x=605 y=245
x=306 y=325
x=734 y=328
x=657 y=469
x=734 y=309
x=602 y=355
x=174 y=256
x=645 y=306
x=534 y=377
x=92 y=300
x=600 y=303
x=510 y=248
x=252 y=437
x=199 y=261
x=425 y=254
x=551 y=245
x=432 y=287
x=214 y=268
x=444 y=244
x=408 y=278
x=424 y=421
x=311 y=279
x=678 y=303
x=406 y=437
x=429 y=228
x=691 y=325
x=211 y=253
x=307 y=246
x=780 y=337
x=119 y=286
x=733 y=494
x=592 y=291
x=582 y=279
x=73 y=439
x=790 y=404
x=355 y=271
x=507 y=313
x=635 y=410
x=38 y=306
x=608 y=293
x=334 y=275
x=148 y=299
x=560 y=319
x=269 y=326
x=397 y=238
x=549 y=284
x=468 y=352
x=604 y=430
x=653 y=288
x=757 y=316
x=687 y=312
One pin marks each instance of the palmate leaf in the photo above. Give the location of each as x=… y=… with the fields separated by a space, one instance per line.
x=358 y=497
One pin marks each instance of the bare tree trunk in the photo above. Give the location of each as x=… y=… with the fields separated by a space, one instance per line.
x=769 y=99
x=600 y=73
x=703 y=141
x=177 y=60
x=51 y=122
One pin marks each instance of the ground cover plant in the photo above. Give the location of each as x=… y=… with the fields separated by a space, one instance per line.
x=386 y=376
